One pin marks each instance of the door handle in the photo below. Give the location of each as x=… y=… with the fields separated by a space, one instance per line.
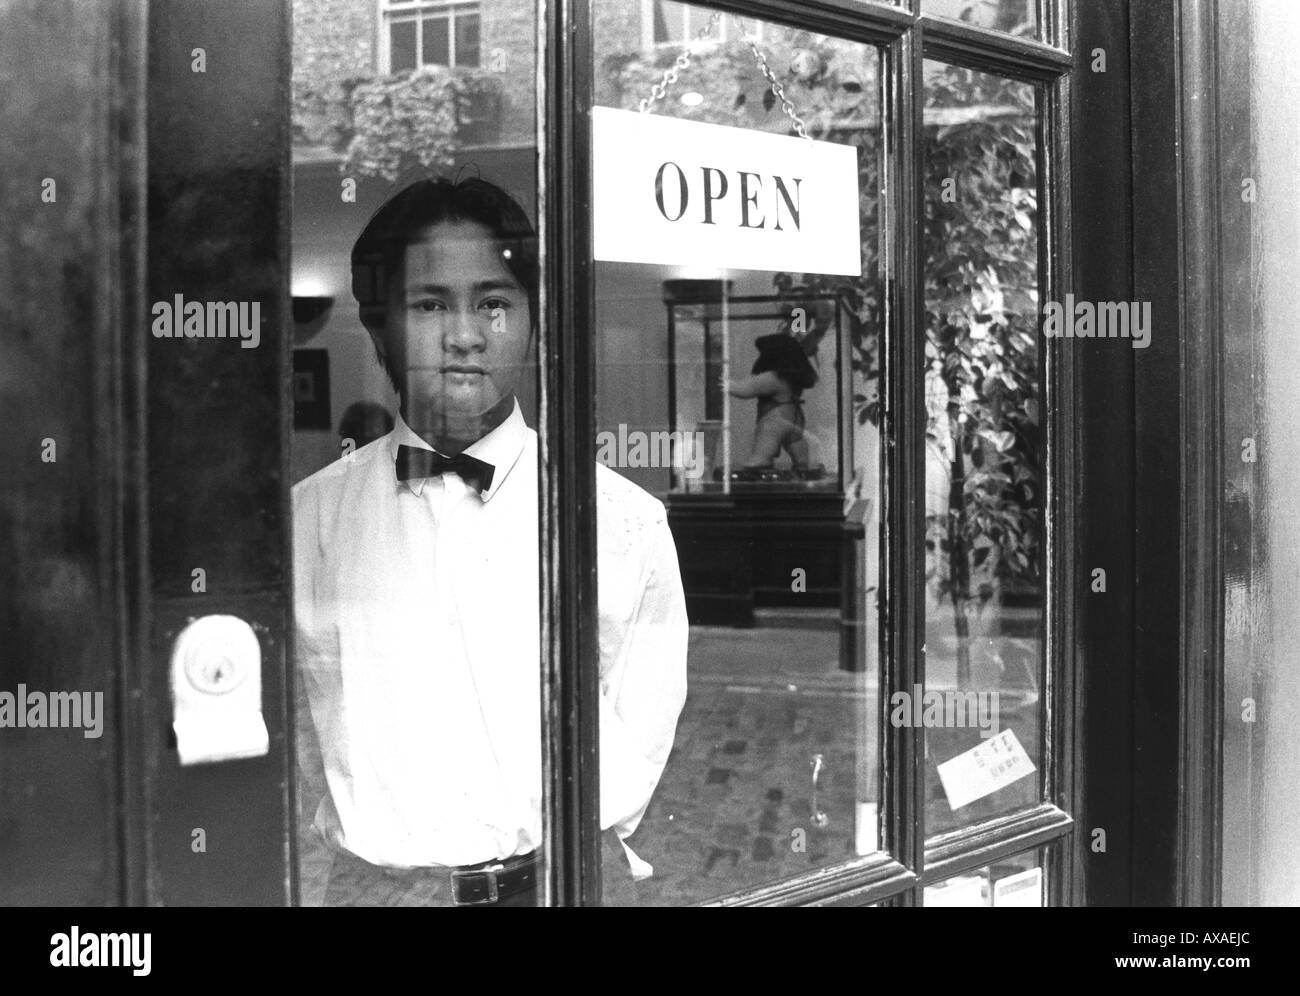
x=818 y=816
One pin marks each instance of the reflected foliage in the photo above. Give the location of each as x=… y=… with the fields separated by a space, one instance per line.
x=1015 y=17
x=981 y=351
x=833 y=86
x=981 y=272
x=387 y=126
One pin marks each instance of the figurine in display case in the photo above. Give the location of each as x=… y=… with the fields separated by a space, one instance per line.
x=782 y=427
x=778 y=379
x=761 y=385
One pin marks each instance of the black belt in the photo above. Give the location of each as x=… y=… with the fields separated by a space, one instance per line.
x=486 y=883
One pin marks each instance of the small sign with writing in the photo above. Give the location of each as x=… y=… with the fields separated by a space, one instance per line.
x=685 y=193
x=984 y=769
x=1022 y=889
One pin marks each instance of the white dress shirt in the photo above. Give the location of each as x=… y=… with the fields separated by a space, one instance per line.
x=418 y=652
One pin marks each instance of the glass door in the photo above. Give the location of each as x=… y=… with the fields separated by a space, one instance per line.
x=745 y=399
x=854 y=457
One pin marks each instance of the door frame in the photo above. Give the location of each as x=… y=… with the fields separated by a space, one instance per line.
x=1110 y=769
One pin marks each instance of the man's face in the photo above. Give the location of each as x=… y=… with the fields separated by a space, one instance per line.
x=460 y=338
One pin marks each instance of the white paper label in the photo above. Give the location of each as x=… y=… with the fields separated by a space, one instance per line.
x=985 y=768
x=865 y=836
x=1022 y=889
x=679 y=193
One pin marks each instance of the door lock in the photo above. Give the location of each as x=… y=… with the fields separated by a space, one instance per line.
x=216 y=679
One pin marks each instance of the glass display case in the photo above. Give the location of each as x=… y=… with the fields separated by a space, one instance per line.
x=759 y=410
x=758 y=392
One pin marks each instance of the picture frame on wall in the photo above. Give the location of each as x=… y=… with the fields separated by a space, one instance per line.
x=311 y=389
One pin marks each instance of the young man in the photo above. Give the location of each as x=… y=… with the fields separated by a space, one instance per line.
x=416 y=586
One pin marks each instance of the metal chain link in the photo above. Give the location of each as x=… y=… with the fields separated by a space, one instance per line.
x=680 y=64
x=682 y=61
x=777 y=89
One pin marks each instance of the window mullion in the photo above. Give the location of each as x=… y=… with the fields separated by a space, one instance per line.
x=904 y=570
x=1057 y=376
x=570 y=651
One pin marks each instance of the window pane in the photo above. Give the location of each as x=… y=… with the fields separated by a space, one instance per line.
x=467 y=40
x=401 y=41
x=1017 y=17
x=1017 y=881
x=981 y=707
x=418 y=711
x=436 y=42
x=744 y=401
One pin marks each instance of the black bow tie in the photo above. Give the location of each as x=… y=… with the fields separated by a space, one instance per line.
x=413 y=462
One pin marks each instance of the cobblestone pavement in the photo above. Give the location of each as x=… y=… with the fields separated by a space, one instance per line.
x=734 y=808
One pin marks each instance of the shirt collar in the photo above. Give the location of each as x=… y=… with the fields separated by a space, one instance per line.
x=500 y=447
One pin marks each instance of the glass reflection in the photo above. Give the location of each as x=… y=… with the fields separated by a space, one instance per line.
x=415 y=283
x=1012 y=882
x=981 y=705
x=747 y=401
x=1015 y=17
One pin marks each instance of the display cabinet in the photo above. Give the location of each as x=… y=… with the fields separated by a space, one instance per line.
x=757 y=391
x=760 y=408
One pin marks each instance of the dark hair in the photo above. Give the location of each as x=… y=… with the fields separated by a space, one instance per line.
x=783 y=355
x=380 y=249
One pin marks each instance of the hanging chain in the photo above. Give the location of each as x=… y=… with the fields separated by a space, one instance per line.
x=777 y=89
x=683 y=61
x=670 y=77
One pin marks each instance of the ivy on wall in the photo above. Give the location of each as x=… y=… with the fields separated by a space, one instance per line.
x=385 y=126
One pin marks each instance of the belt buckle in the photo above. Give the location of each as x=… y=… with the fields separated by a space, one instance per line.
x=493 y=891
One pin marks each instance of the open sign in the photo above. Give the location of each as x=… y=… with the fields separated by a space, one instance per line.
x=676 y=192
x=714 y=187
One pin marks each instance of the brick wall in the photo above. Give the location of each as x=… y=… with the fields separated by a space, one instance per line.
x=334 y=40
